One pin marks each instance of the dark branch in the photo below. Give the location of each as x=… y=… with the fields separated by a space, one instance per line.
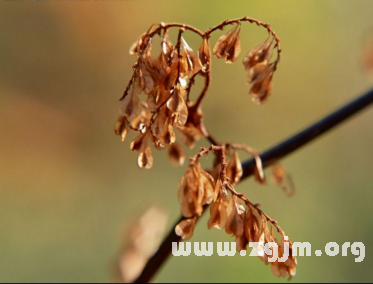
x=268 y=158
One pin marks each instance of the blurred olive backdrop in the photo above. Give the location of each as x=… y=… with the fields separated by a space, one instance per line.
x=69 y=189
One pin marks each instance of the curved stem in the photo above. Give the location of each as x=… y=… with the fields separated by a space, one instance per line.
x=250 y=20
x=173 y=25
x=207 y=76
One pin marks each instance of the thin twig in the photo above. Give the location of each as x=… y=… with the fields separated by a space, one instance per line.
x=268 y=158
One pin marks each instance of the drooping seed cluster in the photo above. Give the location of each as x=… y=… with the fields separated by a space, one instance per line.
x=156 y=102
x=230 y=210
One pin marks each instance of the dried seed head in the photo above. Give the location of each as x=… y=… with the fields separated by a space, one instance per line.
x=235 y=221
x=259 y=54
x=130 y=106
x=261 y=90
x=219 y=211
x=228 y=45
x=189 y=61
x=234 y=168
x=283 y=179
x=185 y=228
x=178 y=108
x=204 y=54
x=145 y=159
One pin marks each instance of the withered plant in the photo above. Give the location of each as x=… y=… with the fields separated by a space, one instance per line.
x=156 y=104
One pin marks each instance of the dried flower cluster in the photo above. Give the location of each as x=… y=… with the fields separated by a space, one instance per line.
x=166 y=80
x=230 y=210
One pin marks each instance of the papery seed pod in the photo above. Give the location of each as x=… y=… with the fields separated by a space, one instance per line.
x=185 y=228
x=218 y=186
x=190 y=64
x=160 y=123
x=178 y=108
x=137 y=47
x=189 y=135
x=142 y=121
x=235 y=221
x=121 y=127
x=253 y=227
x=204 y=54
x=145 y=159
x=176 y=154
x=175 y=103
x=259 y=72
x=259 y=54
x=228 y=45
x=207 y=182
x=172 y=74
x=261 y=90
x=130 y=106
x=282 y=179
x=169 y=137
x=188 y=194
x=219 y=211
x=137 y=143
x=287 y=268
x=155 y=69
x=167 y=50
x=234 y=168
x=149 y=74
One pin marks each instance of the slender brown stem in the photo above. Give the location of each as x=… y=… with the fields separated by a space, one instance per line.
x=207 y=76
x=268 y=158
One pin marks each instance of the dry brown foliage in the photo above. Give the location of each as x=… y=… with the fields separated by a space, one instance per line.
x=165 y=81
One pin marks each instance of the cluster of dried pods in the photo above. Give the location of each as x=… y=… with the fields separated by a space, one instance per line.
x=166 y=82
x=229 y=209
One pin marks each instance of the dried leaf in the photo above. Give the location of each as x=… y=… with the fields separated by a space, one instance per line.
x=160 y=125
x=130 y=106
x=185 y=228
x=176 y=154
x=254 y=224
x=145 y=159
x=283 y=179
x=121 y=127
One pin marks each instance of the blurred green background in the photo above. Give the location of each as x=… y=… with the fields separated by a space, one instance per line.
x=70 y=190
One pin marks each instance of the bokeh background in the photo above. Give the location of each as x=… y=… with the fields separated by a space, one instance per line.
x=70 y=190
